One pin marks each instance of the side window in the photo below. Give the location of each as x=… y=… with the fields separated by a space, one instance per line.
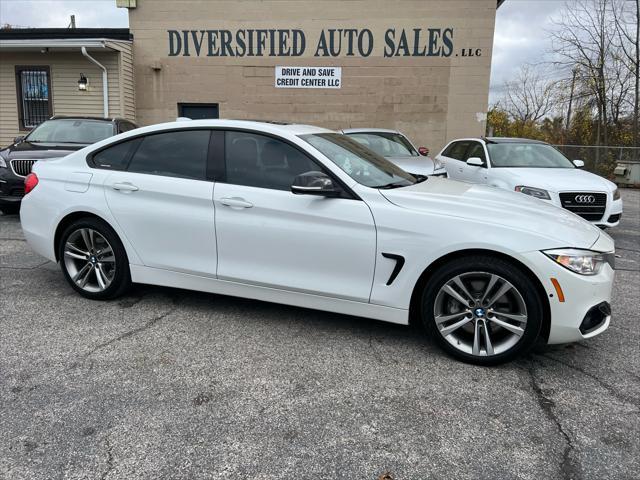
x=116 y=157
x=125 y=127
x=260 y=161
x=457 y=150
x=476 y=150
x=173 y=154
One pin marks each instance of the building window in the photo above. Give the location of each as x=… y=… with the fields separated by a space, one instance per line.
x=34 y=96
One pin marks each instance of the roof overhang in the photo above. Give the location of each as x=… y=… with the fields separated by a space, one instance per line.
x=59 y=45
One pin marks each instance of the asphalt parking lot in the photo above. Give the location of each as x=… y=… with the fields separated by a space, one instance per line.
x=168 y=383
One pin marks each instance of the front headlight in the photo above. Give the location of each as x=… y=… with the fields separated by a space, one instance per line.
x=616 y=194
x=437 y=165
x=3 y=164
x=534 y=192
x=584 y=262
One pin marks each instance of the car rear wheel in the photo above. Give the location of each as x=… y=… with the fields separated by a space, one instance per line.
x=93 y=259
x=482 y=310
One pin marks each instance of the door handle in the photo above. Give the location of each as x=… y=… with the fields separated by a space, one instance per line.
x=124 y=187
x=236 y=202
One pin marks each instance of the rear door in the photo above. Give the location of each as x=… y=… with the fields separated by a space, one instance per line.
x=162 y=199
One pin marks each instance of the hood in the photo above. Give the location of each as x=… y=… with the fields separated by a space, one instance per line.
x=557 y=179
x=39 y=151
x=494 y=206
x=419 y=165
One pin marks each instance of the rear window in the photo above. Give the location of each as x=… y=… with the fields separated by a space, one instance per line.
x=115 y=157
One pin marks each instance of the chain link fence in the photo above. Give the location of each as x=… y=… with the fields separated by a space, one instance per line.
x=600 y=159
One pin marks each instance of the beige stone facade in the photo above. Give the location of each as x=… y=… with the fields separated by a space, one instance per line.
x=65 y=63
x=432 y=82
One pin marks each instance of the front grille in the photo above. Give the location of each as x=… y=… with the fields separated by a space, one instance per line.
x=588 y=205
x=22 y=168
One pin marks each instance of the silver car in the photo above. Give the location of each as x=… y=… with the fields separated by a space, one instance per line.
x=397 y=148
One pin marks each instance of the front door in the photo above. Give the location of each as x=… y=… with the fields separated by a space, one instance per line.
x=474 y=173
x=271 y=237
x=163 y=202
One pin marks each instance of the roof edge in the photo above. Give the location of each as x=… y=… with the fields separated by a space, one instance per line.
x=65 y=33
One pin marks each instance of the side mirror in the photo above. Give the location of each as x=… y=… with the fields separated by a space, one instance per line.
x=315 y=183
x=578 y=163
x=475 y=161
x=18 y=139
x=424 y=151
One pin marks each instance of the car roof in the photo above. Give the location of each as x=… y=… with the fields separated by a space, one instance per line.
x=268 y=127
x=368 y=130
x=80 y=117
x=500 y=140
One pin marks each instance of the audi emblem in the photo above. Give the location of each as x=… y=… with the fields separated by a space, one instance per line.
x=584 y=199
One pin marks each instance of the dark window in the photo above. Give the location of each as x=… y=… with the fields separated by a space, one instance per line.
x=198 y=111
x=476 y=150
x=33 y=86
x=125 y=127
x=116 y=157
x=261 y=161
x=457 y=150
x=173 y=154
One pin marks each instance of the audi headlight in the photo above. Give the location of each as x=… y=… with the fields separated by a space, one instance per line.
x=616 y=194
x=534 y=192
x=584 y=262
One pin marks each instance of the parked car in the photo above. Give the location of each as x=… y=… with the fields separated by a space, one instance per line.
x=398 y=149
x=536 y=169
x=305 y=216
x=54 y=138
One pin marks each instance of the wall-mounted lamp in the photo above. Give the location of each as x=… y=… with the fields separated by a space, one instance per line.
x=83 y=82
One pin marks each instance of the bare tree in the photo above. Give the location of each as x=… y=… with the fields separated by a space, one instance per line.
x=530 y=97
x=627 y=23
x=583 y=39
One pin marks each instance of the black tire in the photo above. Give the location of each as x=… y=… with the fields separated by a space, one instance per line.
x=491 y=265
x=10 y=209
x=122 y=277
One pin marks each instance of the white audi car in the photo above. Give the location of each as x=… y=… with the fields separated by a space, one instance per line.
x=398 y=149
x=537 y=169
x=305 y=216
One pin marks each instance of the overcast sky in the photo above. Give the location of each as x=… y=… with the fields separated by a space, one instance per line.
x=521 y=26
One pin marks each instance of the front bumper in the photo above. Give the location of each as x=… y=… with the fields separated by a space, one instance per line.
x=581 y=294
x=11 y=187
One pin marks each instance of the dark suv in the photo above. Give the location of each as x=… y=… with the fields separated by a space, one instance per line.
x=54 y=138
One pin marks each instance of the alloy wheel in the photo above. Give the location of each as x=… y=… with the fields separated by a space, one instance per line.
x=89 y=260
x=480 y=313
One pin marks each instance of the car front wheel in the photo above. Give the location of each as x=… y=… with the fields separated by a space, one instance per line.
x=482 y=310
x=93 y=259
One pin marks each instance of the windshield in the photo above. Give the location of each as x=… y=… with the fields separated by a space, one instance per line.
x=527 y=155
x=71 y=131
x=385 y=143
x=360 y=163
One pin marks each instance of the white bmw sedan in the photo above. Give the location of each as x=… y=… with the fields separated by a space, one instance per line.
x=537 y=169
x=305 y=216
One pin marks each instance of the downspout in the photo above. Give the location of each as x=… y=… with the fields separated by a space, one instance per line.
x=105 y=85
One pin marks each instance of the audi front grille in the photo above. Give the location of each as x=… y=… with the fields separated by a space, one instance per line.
x=22 y=168
x=590 y=206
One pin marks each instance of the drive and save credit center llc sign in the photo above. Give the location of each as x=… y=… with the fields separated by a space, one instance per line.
x=308 y=77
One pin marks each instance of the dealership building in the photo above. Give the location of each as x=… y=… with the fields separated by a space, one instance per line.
x=420 y=66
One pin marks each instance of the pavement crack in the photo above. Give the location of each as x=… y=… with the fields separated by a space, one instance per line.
x=130 y=333
x=568 y=468
x=109 y=460
x=4 y=267
x=611 y=390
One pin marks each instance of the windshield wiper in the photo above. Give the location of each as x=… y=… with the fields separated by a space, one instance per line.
x=388 y=186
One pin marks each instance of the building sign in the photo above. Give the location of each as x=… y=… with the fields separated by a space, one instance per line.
x=330 y=42
x=308 y=77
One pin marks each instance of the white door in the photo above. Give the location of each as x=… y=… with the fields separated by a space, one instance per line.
x=453 y=159
x=163 y=203
x=474 y=173
x=269 y=236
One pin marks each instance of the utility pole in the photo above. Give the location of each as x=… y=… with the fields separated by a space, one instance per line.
x=573 y=84
x=73 y=22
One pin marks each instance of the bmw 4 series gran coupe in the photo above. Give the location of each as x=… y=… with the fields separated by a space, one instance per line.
x=305 y=216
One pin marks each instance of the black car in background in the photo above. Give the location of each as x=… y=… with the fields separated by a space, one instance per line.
x=54 y=138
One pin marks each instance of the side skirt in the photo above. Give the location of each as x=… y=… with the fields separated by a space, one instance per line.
x=167 y=278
